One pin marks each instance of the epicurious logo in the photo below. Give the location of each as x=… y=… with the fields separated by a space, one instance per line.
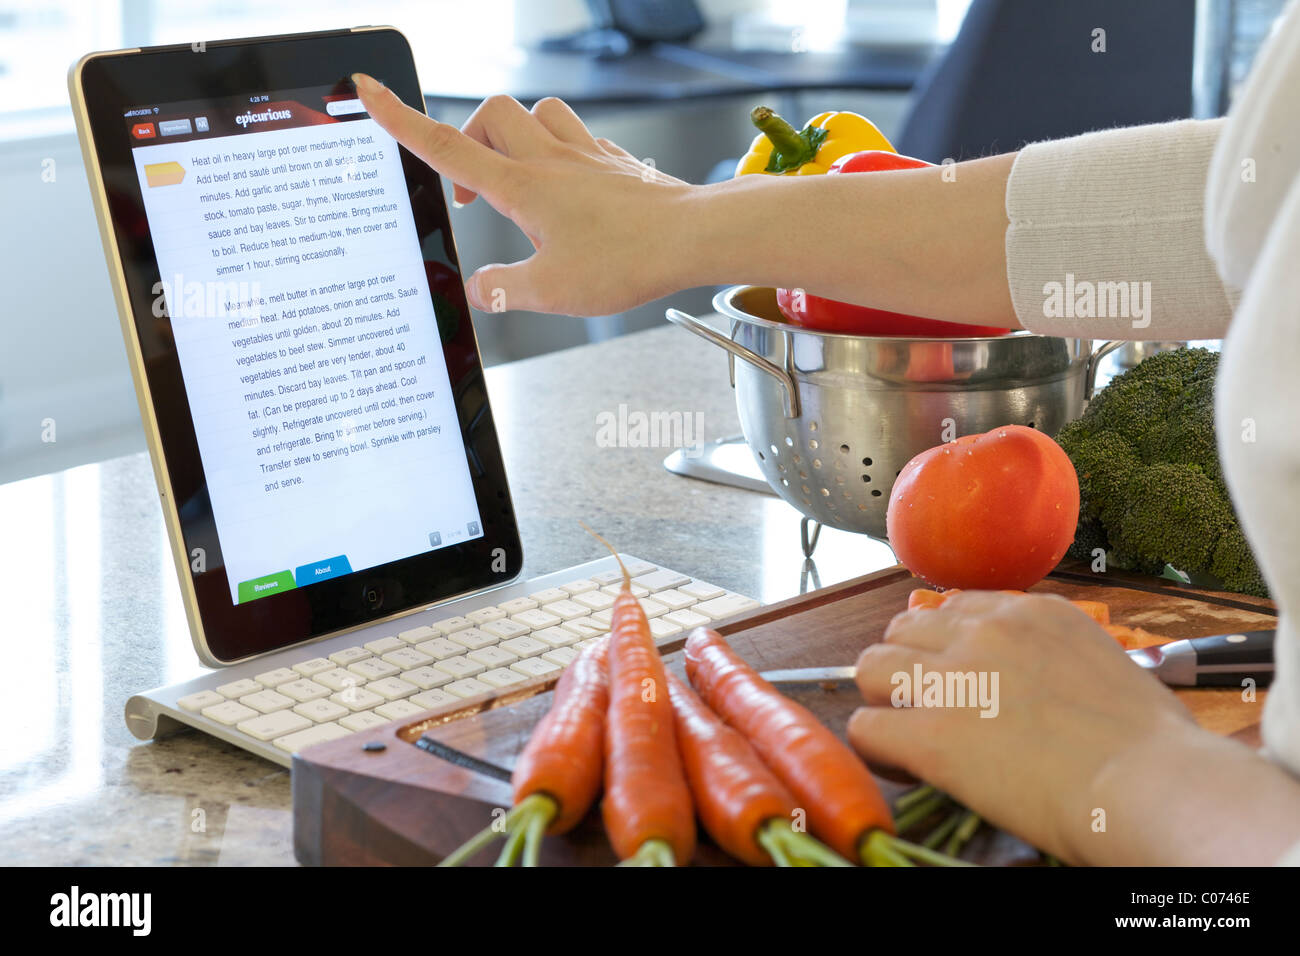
x=75 y=908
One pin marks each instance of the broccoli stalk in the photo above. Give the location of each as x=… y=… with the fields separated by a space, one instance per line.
x=1150 y=486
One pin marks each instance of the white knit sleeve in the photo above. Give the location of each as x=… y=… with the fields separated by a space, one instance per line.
x=1106 y=235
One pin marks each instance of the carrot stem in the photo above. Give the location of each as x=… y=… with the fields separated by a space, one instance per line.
x=878 y=850
x=533 y=833
x=651 y=853
x=909 y=798
x=926 y=855
x=537 y=807
x=919 y=811
x=789 y=847
x=514 y=844
x=962 y=835
x=627 y=578
x=944 y=829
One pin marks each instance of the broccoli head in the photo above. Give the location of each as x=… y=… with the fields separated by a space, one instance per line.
x=1151 y=489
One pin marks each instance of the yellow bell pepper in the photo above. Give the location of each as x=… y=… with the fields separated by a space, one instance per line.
x=779 y=149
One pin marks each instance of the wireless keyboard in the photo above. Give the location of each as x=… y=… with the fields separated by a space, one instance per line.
x=440 y=659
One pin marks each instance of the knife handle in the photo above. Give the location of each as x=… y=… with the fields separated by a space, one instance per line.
x=1225 y=660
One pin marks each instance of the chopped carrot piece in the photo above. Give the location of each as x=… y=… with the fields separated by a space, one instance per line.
x=1099 y=611
x=1133 y=638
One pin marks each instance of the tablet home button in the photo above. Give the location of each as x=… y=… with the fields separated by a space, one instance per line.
x=373 y=596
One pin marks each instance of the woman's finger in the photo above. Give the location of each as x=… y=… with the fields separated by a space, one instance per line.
x=899 y=738
x=879 y=664
x=564 y=124
x=930 y=630
x=451 y=153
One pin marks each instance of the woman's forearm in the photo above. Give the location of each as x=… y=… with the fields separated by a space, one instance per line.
x=927 y=242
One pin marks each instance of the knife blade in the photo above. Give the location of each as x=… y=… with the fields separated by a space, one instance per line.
x=1220 y=660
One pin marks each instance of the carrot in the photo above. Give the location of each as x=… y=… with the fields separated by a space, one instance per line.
x=647 y=808
x=845 y=807
x=1133 y=638
x=558 y=775
x=923 y=599
x=743 y=806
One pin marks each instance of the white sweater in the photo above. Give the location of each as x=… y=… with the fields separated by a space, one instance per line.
x=1208 y=213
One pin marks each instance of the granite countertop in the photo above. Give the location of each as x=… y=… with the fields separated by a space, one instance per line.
x=94 y=611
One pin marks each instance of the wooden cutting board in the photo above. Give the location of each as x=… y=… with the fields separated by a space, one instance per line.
x=404 y=805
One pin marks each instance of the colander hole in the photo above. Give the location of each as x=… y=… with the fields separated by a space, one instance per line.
x=760 y=456
x=780 y=468
x=865 y=479
x=826 y=492
x=1031 y=424
x=812 y=426
x=862 y=507
x=844 y=449
x=875 y=492
x=786 y=482
x=867 y=462
x=789 y=442
x=803 y=475
x=807 y=502
x=812 y=443
x=817 y=462
x=775 y=451
x=806 y=490
x=847 y=495
x=839 y=480
x=797 y=459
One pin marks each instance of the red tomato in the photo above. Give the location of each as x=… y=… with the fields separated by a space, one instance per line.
x=828 y=315
x=985 y=512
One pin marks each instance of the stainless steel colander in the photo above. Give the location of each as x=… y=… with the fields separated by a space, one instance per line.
x=832 y=419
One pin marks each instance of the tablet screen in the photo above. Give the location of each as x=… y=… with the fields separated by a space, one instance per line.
x=304 y=324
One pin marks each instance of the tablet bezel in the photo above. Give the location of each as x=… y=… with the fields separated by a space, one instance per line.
x=103 y=87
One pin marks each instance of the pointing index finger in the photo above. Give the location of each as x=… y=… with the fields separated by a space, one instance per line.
x=445 y=148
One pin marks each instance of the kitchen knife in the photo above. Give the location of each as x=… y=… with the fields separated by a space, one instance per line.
x=1221 y=660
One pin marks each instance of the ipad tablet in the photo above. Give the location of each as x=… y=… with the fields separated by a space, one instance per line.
x=299 y=337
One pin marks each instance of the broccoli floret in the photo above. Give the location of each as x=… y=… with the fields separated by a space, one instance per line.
x=1151 y=488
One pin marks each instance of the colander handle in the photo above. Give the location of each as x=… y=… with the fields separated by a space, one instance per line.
x=1094 y=363
x=706 y=331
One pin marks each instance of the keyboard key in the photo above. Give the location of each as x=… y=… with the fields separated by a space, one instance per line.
x=303 y=690
x=239 y=688
x=506 y=628
x=397 y=709
x=608 y=577
x=725 y=606
x=266 y=701
x=270 y=726
x=585 y=627
x=536 y=620
x=440 y=649
x=661 y=580
x=281 y=675
x=604 y=618
x=472 y=638
x=701 y=590
x=338 y=679
x=407 y=658
x=687 y=618
x=349 y=656
x=563 y=656
x=196 y=702
x=661 y=627
x=303 y=739
x=372 y=668
x=653 y=608
x=518 y=605
x=356 y=698
x=554 y=637
x=485 y=615
x=433 y=699
x=525 y=646
x=613 y=590
x=492 y=656
x=583 y=645
x=426 y=678
x=579 y=587
x=502 y=677
x=228 y=712
x=321 y=710
x=418 y=634
x=596 y=600
x=550 y=595
x=391 y=688
x=638 y=568
x=451 y=625
x=362 y=720
x=535 y=667
x=469 y=687
x=314 y=666
x=566 y=610
x=673 y=599
x=384 y=645
x=459 y=667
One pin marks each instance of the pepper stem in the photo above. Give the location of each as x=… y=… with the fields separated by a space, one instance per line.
x=784 y=137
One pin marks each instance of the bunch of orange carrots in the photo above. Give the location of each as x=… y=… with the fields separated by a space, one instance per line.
x=757 y=768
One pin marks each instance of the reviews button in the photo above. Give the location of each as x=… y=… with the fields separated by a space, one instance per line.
x=265 y=586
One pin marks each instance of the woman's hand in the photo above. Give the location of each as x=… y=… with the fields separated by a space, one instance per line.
x=1082 y=740
x=604 y=225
